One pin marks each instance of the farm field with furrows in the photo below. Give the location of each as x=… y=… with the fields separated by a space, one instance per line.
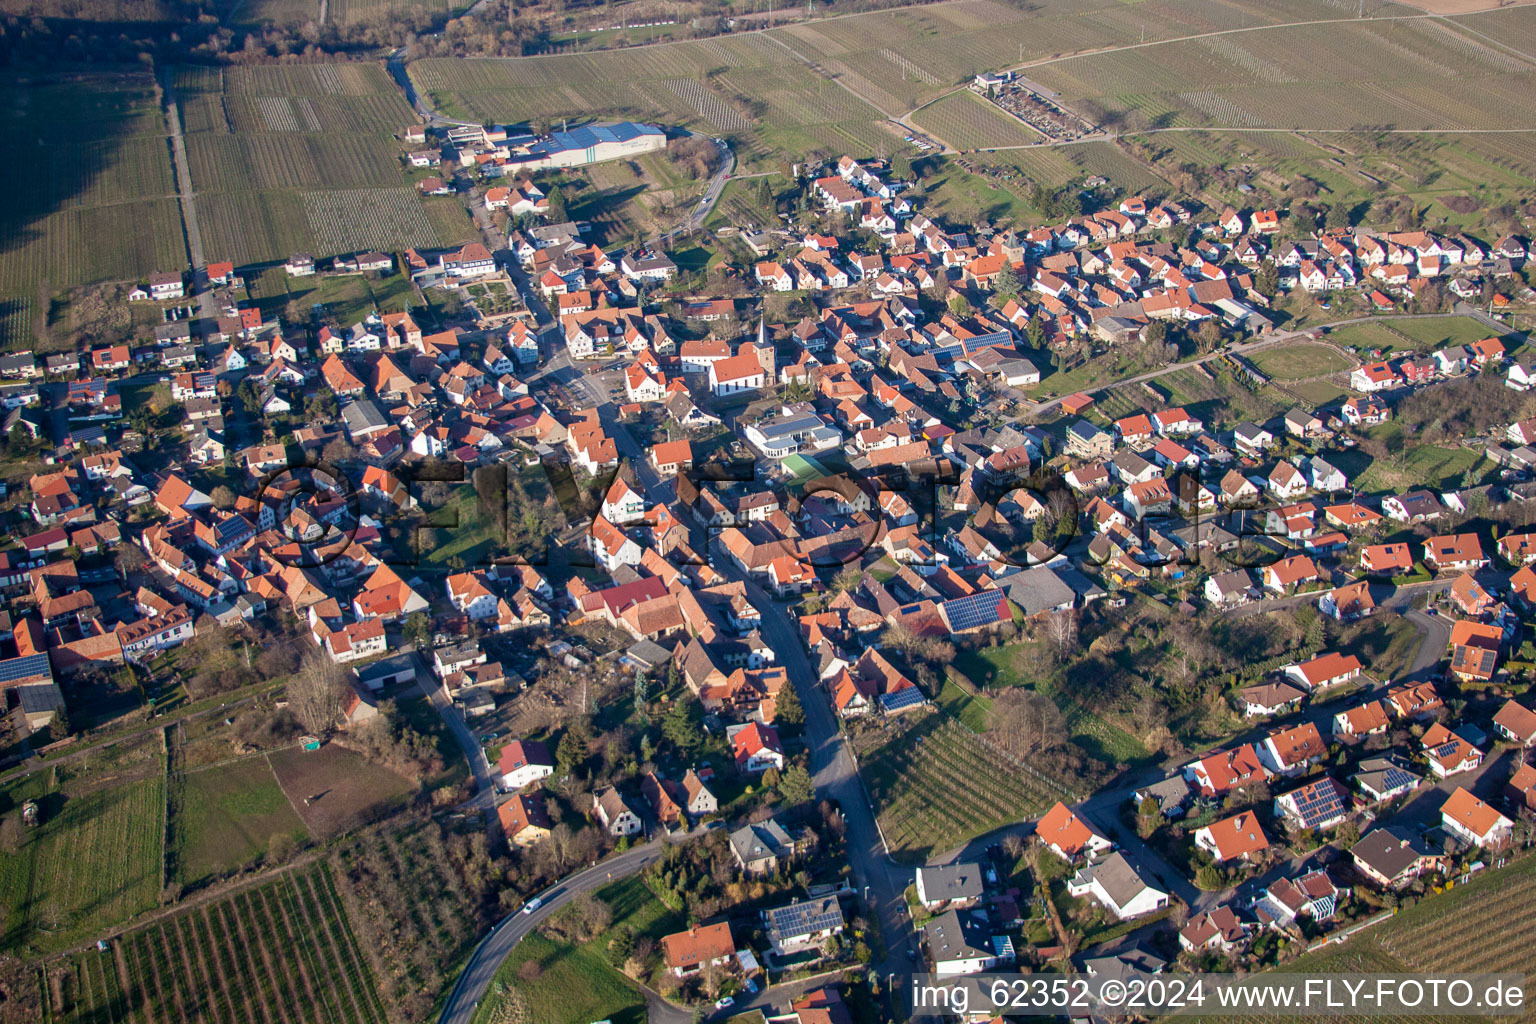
x=344 y=12
x=279 y=952
x=966 y=121
x=1484 y=925
x=303 y=159
x=94 y=861
x=414 y=918
x=938 y=785
x=1512 y=28
x=89 y=186
x=909 y=56
x=1398 y=73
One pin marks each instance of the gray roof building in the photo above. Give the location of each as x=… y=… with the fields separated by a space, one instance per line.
x=1038 y=590
x=946 y=883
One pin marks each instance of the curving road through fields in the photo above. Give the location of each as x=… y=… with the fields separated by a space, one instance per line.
x=477 y=975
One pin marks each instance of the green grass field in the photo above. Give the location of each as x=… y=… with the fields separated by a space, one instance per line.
x=1293 y=362
x=1424 y=465
x=996 y=667
x=1401 y=335
x=971 y=711
x=572 y=984
x=94 y=861
x=223 y=818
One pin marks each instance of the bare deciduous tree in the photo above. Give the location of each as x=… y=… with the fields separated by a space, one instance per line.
x=316 y=691
x=1061 y=631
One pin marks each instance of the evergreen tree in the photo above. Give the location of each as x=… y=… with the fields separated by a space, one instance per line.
x=621 y=946
x=681 y=727
x=575 y=744
x=1035 y=331
x=795 y=786
x=787 y=709
x=557 y=212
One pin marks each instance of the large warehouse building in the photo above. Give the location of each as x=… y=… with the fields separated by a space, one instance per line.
x=592 y=144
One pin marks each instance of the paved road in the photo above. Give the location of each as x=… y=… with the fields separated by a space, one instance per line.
x=701 y=209
x=206 y=306
x=834 y=771
x=477 y=975
x=396 y=65
x=1104 y=808
x=479 y=766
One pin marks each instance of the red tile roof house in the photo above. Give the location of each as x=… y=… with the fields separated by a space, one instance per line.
x=1474 y=650
x=1415 y=700
x=1447 y=753
x=1469 y=596
x=1068 y=836
x=1387 y=559
x=1226 y=770
x=1236 y=838
x=1134 y=430
x=700 y=946
x=1348 y=603
x=1288 y=751
x=523 y=762
x=1516 y=723
x=1462 y=552
x=1365 y=720
x=1470 y=819
x=1325 y=670
x=756 y=747
x=1289 y=572
x=1520 y=790
x=1217 y=929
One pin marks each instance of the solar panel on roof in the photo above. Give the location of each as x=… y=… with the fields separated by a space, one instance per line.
x=974 y=610
x=811 y=916
x=908 y=697
x=24 y=667
x=1318 y=802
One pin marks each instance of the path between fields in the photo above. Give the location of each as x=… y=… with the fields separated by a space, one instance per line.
x=183 y=170
x=1279 y=338
x=905 y=119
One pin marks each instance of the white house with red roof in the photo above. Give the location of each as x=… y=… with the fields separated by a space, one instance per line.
x=522 y=763
x=1225 y=770
x=1325 y=670
x=755 y=747
x=1068 y=836
x=1373 y=377
x=470 y=593
x=1474 y=821
x=1239 y=837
